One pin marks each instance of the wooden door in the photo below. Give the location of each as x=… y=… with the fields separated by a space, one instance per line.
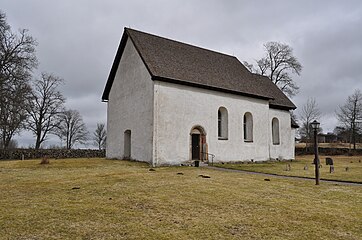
x=195 y=146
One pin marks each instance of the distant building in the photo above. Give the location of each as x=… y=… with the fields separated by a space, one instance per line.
x=171 y=103
x=327 y=138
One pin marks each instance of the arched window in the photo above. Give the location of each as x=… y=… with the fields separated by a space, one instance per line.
x=248 y=127
x=275 y=131
x=222 y=123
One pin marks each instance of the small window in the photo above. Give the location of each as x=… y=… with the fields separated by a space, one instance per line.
x=248 y=127
x=219 y=123
x=127 y=144
x=222 y=123
x=275 y=131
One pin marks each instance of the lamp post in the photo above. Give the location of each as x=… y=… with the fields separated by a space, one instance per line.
x=315 y=126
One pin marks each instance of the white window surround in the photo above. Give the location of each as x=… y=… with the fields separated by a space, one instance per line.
x=248 y=127
x=275 y=131
x=222 y=123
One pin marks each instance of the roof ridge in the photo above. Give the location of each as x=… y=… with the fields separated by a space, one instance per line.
x=179 y=42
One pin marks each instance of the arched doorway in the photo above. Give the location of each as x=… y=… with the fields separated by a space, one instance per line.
x=198 y=143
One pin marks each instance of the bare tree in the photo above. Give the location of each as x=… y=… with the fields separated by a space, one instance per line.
x=12 y=112
x=46 y=102
x=309 y=113
x=293 y=116
x=278 y=64
x=100 y=136
x=11 y=145
x=71 y=128
x=17 y=54
x=250 y=66
x=350 y=115
x=342 y=133
x=17 y=60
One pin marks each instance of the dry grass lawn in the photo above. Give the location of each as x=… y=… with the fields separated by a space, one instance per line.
x=124 y=200
x=353 y=165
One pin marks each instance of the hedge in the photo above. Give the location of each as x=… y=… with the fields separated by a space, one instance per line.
x=328 y=151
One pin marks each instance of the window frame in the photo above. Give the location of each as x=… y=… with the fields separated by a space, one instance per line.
x=248 y=127
x=222 y=124
x=275 y=131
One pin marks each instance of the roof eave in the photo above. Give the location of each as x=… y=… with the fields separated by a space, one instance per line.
x=282 y=107
x=176 y=81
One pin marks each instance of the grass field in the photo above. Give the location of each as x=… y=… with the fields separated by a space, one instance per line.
x=110 y=199
x=353 y=173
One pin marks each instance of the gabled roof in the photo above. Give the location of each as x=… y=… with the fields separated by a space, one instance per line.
x=172 y=61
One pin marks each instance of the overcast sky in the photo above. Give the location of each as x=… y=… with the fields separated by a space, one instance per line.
x=78 y=39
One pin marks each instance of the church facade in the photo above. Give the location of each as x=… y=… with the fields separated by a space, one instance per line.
x=171 y=103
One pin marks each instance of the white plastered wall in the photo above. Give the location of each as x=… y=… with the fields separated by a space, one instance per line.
x=130 y=107
x=285 y=149
x=179 y=108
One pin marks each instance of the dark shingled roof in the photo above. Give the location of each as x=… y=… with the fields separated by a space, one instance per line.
x=172 y=61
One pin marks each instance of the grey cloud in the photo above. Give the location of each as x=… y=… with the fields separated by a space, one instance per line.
x=78 y=40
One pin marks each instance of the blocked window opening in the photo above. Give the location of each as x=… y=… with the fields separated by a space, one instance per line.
x=248 y=127
x=275 y=131
x=127 y=144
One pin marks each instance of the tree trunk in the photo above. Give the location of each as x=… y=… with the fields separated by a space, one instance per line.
x=6 y=142
x=37 y=143
x=354 y=137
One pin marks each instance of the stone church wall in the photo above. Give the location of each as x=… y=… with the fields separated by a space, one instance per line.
x=180 y=108
x=130 y=108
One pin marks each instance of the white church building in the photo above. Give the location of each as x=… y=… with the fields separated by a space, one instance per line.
x=170 y=103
